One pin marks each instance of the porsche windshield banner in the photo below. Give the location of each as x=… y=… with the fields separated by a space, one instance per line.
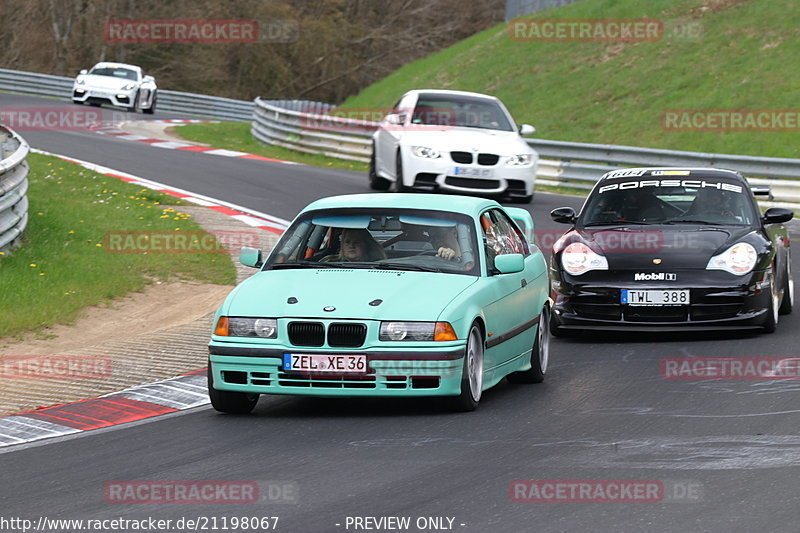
x=691 y=184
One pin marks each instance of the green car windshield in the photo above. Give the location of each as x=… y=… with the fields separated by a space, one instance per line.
x=379 y=238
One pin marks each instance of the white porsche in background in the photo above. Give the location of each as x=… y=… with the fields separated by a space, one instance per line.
x=453 y=141
x=118 y=84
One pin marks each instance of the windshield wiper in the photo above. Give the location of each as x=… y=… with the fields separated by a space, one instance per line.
x=692 y=221
x=310 y=265
x=619 y=223
x=404 y=266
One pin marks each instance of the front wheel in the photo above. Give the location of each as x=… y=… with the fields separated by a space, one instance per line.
x=771 y=323
x=152 y=109
x=376 y=183
x=399 y=186
x=788 y=290
x=239 y=403
x=472 y=373
x=134 y=105
x=540 y=354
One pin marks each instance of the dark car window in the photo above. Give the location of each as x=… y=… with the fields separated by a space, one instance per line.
x=702 y=201
x=123 y=73
x=463 y=111
x=400 y=239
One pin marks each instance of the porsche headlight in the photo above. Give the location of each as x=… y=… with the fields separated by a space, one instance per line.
x=265 y=328
x=128 y=86
x=80 y=81
x=739 y=259
x=425 y=152
x=519 y=160
x=577 y=259
x=417 y=331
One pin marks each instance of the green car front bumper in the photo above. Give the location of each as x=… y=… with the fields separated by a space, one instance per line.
x=417 y=371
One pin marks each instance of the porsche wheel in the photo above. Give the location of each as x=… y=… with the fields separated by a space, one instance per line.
x=152 y=109
x=788 y=290
x=135 y=105
x=771 y=322
x=239 y=403
x=472 y=373
x=540 y=354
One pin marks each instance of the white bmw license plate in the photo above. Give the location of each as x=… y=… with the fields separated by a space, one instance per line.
x=471 y=172
x=303 y=362
x=655 y=297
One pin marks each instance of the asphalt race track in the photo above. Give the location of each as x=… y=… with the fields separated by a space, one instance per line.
x=726 y=454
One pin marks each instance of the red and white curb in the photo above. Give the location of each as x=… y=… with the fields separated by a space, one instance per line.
x=130 y=405
x=250 y=217
x=114 y=129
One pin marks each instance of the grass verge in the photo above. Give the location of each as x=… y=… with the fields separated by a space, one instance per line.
x=236 y=136
x=63 y=264
x=714 y=54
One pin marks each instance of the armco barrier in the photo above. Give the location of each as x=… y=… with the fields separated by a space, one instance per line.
x=13 y=186
x=174 y=101
x=564 y=164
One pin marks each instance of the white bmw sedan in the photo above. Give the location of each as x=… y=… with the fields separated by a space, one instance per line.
x=117 y=84
x=453 y=141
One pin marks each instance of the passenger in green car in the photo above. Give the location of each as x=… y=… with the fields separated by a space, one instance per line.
x=357 y=245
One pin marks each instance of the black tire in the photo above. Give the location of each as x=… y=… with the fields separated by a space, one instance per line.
x=152 y=109
x=134 y=107
x=771 y=322
x=788 y=290
x=238 y=403
x=398 y=175
x=376 y=183
x=472 y=373
x=540 y=354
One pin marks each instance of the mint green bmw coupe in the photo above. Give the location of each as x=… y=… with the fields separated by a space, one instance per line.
x=386 y=295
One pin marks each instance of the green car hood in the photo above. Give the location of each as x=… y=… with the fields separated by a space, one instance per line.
x=353 y=293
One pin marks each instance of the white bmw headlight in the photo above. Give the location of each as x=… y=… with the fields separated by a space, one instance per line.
x=425 y=152
x=739 y=259
x=577 y=259
x=519 y=160
x=266 y=328
x=80 y=81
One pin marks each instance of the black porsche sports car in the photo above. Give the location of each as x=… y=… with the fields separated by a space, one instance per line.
x=656 y=249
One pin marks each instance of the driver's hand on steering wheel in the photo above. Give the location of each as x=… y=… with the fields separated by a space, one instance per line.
x=447 y=253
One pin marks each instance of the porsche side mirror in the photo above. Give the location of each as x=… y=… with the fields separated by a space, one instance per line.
x=526 y=129
x=250 y=257
x=83 y=71
x=777 y=215
x=149 y=79
x=509 y=263
x=563 y=215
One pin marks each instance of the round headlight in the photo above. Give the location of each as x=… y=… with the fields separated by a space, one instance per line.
x=265 y=327
x=396 y=332
x=241 y=327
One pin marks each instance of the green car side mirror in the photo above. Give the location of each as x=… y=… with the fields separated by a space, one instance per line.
x=509 y=263
x=250 y=257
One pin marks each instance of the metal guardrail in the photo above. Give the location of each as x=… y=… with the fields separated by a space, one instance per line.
x=564 y=164
x=304 y=127
x=13 y=186
x=17 y=81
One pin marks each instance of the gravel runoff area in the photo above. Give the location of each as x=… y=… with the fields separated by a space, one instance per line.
x=144 y=358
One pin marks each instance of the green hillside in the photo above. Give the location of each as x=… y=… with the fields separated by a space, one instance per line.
x=713 y=54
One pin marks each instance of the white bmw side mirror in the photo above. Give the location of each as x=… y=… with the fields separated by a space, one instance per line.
x=526 y=129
